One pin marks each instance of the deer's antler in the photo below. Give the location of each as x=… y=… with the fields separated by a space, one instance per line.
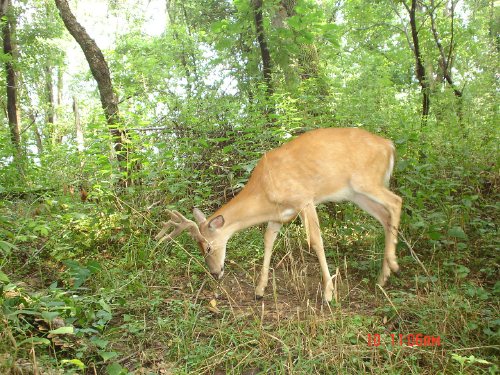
x=180 y=223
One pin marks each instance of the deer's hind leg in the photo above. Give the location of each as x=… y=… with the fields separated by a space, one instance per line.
x=384 y=206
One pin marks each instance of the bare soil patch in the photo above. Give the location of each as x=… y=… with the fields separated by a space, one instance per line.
x=294 y=292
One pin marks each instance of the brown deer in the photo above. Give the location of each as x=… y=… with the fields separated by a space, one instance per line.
x=323 y=165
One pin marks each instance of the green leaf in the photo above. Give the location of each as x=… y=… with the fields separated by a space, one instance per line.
x=220 y=26
x=63 y=331
x=79 y=273
x=115 y=369
x=295 y=22
x=3 y=277
x=473 y=359
x=434 y=235
x=35 y=341
x=105 y=306
x=93 y=266
x=107 y=355
x=75 y=362
x=457 y=232
x=49 y=315
x=462 y=271
x=300 y=9
x=99 y=342
x=6 y=247
x=458 y=358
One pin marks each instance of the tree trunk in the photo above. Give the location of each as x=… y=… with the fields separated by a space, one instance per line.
x=57 y=103
x=101 y=73
x=59 y=86
x=49 y=111
x=36 y=132
x=419 y=65
x=446 y=59
x=308 y=57
x=264 y=49
x=12 y=115
x=78 y=126
x=49 y=95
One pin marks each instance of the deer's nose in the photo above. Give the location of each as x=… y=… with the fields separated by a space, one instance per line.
x=218 y=275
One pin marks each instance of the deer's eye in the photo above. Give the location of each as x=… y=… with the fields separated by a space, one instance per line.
x=208 y=250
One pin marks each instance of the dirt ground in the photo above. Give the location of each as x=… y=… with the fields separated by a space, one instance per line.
x=294 y=291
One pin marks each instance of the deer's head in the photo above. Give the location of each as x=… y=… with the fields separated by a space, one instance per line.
x=209 y=234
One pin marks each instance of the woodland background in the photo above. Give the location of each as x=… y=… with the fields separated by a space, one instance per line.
x=179 y=101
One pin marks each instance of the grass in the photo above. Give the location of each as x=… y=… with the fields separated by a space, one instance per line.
x=85 y=289
x=138 y=310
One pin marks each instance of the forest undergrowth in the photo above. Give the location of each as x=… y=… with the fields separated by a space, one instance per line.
x=85 y=288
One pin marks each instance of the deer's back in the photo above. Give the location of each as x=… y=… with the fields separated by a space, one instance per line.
x=322 y=163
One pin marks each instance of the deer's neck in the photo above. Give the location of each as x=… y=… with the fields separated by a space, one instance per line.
x=250 y=207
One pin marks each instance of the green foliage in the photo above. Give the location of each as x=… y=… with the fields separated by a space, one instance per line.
x=56 y=318
x=83 y=286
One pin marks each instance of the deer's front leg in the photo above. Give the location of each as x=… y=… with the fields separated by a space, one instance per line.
x=272 y=231
x=310 y=219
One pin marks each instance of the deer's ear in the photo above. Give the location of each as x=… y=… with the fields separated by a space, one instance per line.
x=216 y=223
x=199 y=216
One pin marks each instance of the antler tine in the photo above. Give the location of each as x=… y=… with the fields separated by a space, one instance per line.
x=180 y=223
x=166 y=226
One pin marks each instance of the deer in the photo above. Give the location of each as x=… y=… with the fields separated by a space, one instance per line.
x=321 y=165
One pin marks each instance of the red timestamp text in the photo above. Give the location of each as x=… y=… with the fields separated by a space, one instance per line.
x=415 y=339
